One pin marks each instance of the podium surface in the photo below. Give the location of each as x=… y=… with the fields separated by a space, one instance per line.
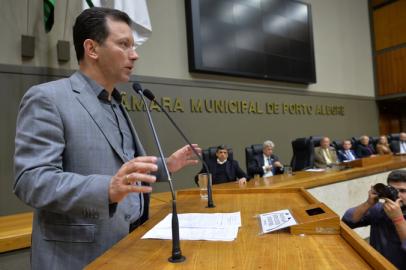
x=277 y=250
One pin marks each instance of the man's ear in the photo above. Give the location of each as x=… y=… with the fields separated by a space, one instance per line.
x=91 y=48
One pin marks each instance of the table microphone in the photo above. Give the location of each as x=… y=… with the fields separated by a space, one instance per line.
x=151 y=97
x=176 y=251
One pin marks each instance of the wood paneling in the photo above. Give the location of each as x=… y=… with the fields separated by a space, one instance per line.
x=390 y=25
x=389 y=123
x=390 y=71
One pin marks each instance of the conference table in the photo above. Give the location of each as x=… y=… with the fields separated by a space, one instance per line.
x=252 y=250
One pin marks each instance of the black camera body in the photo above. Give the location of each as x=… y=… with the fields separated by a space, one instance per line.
x=384 y=191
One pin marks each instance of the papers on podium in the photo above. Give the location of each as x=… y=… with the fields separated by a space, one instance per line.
x=316 y=170
x=195 y=226
x=277 y=220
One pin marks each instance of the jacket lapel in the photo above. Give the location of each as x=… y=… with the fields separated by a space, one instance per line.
x=91 y=104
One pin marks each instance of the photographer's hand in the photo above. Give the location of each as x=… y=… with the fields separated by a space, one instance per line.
x=372 y=197
x=361 y=209
x=392 y=209
x=394 y=212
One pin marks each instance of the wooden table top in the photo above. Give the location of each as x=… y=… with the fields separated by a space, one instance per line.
x=314 y=179
x=278 y=250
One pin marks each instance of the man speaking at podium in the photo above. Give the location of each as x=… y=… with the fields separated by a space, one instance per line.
x=78 y=159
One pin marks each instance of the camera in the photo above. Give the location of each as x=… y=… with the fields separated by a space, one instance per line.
x=384 y=191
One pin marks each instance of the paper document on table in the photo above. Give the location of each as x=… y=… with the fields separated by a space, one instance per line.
x=195 y=226
x=208 y=234
x=315 y=170
x=277 y=220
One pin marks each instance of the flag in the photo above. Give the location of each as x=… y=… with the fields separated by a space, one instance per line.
x=137 y=10
x=49 y=6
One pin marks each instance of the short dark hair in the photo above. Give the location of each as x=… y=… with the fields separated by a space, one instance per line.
x=397 y=176
x=221 y=147
x=91 y=24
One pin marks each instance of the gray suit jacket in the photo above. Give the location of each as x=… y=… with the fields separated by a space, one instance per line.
x=64 y=160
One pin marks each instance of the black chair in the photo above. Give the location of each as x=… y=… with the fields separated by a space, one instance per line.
x=316 y=140
x=303 y=154
x=250 y=152
x=374 y=141
x=210 y=153
x=393 y=137
x=338 y=145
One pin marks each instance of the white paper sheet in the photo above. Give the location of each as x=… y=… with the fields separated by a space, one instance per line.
x=277 y=220
x=315 y=170
x=195 y=226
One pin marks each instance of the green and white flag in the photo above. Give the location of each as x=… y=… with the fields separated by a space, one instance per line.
x=136 y=9
x=49 y=6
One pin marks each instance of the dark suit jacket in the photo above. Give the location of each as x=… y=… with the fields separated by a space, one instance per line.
x=395 y=146
x=364 y=151
x=255 y=165
x=342 y=156
x=233 y=171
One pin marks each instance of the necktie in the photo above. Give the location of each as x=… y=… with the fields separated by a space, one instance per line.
x=349 y=155
x=327 y=156
x=402 y=147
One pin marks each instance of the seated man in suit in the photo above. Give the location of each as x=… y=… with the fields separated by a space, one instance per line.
x=266 y=164
x=346 y=154
x=364 y=149
x=325 y=155
x=224 y=170
x=399 y=147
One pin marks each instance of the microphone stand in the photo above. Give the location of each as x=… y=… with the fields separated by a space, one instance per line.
x=177 y=256
x=210 y=203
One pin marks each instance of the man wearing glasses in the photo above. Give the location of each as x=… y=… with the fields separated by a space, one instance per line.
x=387 y=220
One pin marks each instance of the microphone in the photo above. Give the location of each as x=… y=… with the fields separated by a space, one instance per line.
x=151 y=97
x=177 y=256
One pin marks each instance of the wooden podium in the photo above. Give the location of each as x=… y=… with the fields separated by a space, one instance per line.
x=251 y=250
x=363 y=162
x=315 y=219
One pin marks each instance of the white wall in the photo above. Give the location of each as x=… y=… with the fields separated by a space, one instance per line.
x=341 y=41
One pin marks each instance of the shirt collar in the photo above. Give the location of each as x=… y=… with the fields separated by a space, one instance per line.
x=100 y=92
x=221 y=162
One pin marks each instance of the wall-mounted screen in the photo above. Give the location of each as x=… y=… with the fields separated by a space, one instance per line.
x=267 y=39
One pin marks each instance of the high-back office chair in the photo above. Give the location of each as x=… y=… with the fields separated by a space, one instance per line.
x=303 y=154
x=393 y=137
x=316 y=140
x=210 y=153
x=374 y=141
x=337 y=144
x=250 y=152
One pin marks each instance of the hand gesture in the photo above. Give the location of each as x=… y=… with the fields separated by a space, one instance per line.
x=135 y=170
x=182 y=157
x=277 y=164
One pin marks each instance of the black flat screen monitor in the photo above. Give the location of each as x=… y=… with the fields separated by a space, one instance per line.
x=267 y=39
